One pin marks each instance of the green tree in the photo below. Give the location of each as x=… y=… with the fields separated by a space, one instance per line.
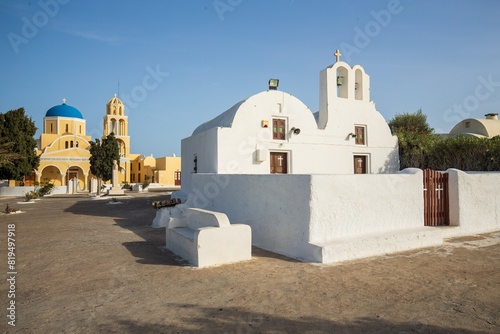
x=17 y=145
x=415 y=139
x=407 y=122
x=102 y=155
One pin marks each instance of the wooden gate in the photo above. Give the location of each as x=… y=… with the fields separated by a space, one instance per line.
x=436 y=198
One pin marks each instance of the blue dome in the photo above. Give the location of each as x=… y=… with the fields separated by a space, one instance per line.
x=64 y=110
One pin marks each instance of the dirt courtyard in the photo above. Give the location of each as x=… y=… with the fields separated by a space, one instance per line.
x=88 y=266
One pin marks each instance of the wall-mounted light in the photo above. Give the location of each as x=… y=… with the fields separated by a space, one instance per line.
x=264 y=123
x=273 y=84
x=352 y=135
x=340 y=80
x=295 y=131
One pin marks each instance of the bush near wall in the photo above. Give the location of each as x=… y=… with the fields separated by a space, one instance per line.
x=466 y=153
x=421 y=150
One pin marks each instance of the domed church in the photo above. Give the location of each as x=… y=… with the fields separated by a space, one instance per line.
x=64 y=148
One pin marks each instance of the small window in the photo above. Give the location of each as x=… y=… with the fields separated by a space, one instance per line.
x=76 y=144
x=67 y=127
x=139 y=178
x=66 y=144
x=360 y=135
x=71 y=143
x=195 y=164
x=279 y=129
x=80 y=129
x=51 y=128
x=467 y=124
x=139 y=166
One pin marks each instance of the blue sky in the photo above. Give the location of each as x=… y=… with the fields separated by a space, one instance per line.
x=181 y=63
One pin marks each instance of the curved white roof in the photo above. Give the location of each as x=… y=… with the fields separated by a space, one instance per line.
x=224 y=120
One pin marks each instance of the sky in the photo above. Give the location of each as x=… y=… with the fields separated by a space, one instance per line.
x=178 y=63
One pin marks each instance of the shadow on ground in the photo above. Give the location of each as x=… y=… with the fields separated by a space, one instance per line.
x=239 y=320
x=134 y=214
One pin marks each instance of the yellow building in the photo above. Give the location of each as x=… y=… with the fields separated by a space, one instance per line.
x=115 y=121
x=165 y=171
x=64 y=148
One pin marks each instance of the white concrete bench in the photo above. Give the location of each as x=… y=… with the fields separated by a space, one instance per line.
x=206 y=238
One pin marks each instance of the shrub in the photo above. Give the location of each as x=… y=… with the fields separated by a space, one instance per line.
x=146 y=181
x=30 y=195
x=45 y=189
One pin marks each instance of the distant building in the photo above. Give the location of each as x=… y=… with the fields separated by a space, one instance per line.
x=165 y=171
x=487 y=127
x=64 y=150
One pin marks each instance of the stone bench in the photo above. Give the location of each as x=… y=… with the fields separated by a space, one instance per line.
x=206 y=238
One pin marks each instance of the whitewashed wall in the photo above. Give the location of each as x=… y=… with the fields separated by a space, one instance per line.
x=21 y=191
x=298 y=215
x=346 y=206
x=474 y=202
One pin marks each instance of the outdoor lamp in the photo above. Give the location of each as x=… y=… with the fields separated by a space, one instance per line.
x=295 y=130
x=273 y=84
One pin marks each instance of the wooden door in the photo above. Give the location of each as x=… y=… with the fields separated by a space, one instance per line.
x=177 y=178
x=360 y=164
x=279 y=163
x=436 y=198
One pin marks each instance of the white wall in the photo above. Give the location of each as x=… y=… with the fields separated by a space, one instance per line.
x=344 y=206
x=330 y=218
x=204 y=145
x=295 y=215
x=275 y=206
x=21 y=191
x=474 y=202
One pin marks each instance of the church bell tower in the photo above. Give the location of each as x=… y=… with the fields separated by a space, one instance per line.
x=115 y=121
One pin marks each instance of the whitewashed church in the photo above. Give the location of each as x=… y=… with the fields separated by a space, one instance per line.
x=274 y=132
x=320 y=187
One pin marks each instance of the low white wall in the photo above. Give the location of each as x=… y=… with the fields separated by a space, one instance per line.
x=474 y=202
x=331 y=218
x=275 y=206
x=21 y=191
x=295 y=215
x=344 y=206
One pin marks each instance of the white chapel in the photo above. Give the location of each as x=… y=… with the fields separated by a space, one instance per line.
x=274 y=132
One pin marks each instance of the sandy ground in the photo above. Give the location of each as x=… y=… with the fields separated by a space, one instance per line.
x=86 y=266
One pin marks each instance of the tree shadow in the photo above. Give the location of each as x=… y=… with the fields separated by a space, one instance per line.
x=135 y=214
x=202 y=320
x=390 y=164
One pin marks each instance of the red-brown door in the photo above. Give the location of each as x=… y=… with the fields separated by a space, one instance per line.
x=279 y=163
x=436 y=198
x=360 y=164
x=177 y=178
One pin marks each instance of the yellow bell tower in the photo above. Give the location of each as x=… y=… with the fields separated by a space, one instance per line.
x=115 y=121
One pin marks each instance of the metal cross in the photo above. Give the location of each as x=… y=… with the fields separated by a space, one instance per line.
x=280 y=158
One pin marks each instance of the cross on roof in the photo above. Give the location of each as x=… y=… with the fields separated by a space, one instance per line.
x=64 y=100
x=337 y=55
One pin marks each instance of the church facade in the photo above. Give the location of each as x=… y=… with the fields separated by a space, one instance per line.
x=273 y=132
x=64 y=150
